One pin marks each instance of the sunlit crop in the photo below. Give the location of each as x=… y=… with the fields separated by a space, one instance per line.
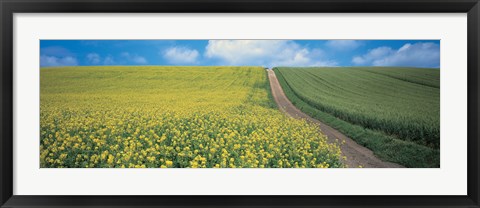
x=164 y=117
x=394 y=111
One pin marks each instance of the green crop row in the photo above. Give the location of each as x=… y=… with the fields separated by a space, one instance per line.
x=393 y=111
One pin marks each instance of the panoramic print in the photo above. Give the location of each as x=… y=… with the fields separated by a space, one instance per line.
x=239 y=104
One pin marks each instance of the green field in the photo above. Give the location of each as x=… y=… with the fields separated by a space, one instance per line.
x=173 y=117
x=395 y=112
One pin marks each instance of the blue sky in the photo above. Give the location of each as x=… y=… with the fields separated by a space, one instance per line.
x=268 y=53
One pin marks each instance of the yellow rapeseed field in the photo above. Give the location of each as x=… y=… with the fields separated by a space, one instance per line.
x=152 y=117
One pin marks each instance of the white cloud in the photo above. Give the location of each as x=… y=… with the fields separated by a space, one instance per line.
x=372 y=55
x=344 y=44
x=265 y=52
x=419 y=55
x=57 y=61
x=180 y=55
x=96 y=59
x=134 y=58
x=139 y=60
x=108 y=60
x=93 y=58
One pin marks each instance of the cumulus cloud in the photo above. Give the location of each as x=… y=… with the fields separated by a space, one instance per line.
x=94 y=58
x=57 y=56
x=425 y=54
x=343 y=44
x=134 y=58
x=124 y=58
x=139 y=60
x=265 y=52
x=108 y=60
x=373 y=55
x=180 y=55
x=46 y=60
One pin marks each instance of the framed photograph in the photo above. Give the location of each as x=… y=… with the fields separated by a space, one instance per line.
x=212 y=103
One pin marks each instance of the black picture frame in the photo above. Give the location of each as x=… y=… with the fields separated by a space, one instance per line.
x=9 y=7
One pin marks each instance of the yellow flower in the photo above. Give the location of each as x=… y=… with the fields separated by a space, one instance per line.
x=201 y=117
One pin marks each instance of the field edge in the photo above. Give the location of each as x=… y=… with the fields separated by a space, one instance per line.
x=386 y=147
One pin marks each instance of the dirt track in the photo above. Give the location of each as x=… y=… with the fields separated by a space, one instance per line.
x=356 y=154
